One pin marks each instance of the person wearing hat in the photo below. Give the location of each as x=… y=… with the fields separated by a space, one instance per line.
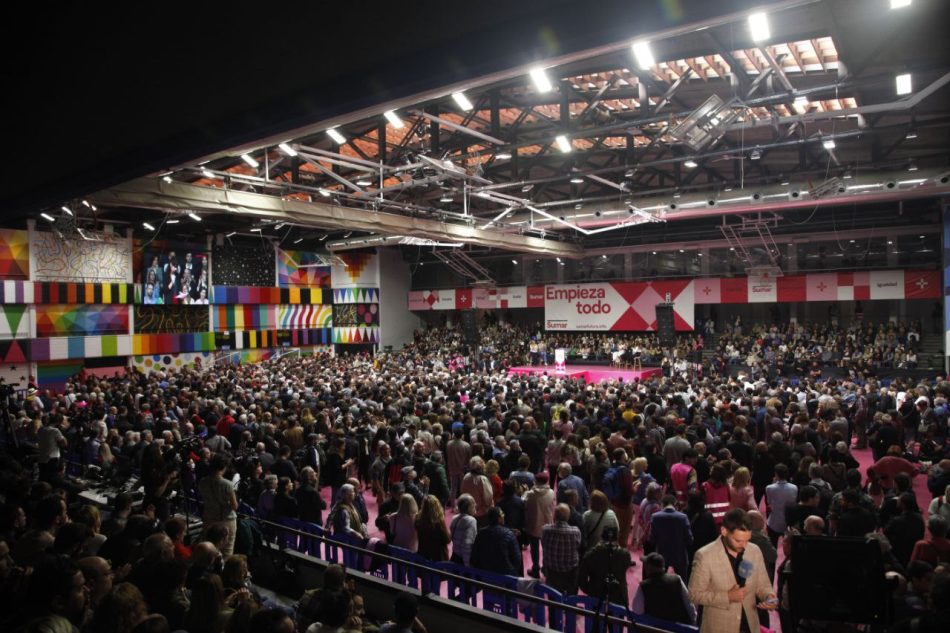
x=606 y=558
x=661 y=594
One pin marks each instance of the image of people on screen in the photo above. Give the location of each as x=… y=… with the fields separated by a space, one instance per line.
x=176 y=278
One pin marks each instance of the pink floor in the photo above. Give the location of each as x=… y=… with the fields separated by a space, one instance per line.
x=590 y=373
x=634 y=574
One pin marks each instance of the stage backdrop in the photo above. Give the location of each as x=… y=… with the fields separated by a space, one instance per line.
x=619 y=306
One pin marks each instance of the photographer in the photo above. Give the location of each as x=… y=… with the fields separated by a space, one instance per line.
x=606 y=564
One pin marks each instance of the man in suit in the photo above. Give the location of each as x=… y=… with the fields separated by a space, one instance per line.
x=729 y=579
x=671 y=536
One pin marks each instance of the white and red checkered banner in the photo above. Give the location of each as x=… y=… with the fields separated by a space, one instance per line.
x=851 y=286
x=630 y=306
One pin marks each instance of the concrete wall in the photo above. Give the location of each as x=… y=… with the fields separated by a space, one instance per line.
x=396 y=323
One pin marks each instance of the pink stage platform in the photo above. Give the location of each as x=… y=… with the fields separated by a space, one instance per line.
x=590 y=373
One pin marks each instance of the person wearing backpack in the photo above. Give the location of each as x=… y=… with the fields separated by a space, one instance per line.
x=619 y=486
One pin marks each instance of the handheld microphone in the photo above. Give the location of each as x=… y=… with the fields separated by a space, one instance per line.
x=745 y=572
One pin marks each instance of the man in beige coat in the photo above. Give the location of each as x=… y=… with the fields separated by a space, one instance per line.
x=538 y=512
x=475 y=483
x=729 y=579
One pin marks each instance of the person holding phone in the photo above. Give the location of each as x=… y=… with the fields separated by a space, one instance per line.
x=729 y=579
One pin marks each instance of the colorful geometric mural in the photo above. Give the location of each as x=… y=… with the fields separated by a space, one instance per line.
x=14 y=322
x=64 y=293
x=359 y=270
x=356 y=314
x=60 y=320
x=298 y=268
x=16 y=351
x=355 y=295
x=173 y=319
x=162 y=362
x=57 y=259
x=304 y=317
x=243 y=317
x=347 y=335
x=253 y=295
x=14 y=254
x=67 y=347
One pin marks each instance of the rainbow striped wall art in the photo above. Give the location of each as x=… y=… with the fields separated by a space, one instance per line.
x=253 y=339
x=283 y=317
x=65 y=348
x=147 y=344
x=55 y=375
x=71 y=320
x=304 y=317
x=64 y=293
x=273 y=296
x=244 y=317
x=16 y=292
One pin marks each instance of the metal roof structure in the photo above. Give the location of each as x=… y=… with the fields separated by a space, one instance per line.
x=630 y=140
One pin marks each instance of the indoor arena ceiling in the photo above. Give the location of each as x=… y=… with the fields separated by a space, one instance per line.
x=695 y=127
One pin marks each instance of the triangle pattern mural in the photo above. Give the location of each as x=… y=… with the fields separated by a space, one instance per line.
x=12 y=323
x=355 y=335
x=355 y=295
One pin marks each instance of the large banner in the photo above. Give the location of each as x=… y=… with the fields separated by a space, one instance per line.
x=618 y=306
x=609 y=306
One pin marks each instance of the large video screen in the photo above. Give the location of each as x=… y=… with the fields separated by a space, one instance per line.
x=176 y=277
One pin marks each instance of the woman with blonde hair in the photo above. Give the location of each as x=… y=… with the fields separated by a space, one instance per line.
x=431 y=530
x=642 y=480
x=491 y=471
x=402 y=524
x=740 y=491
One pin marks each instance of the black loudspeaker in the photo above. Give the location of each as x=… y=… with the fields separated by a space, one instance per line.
x=838 y=579
x=469 y=327
x=665 y=329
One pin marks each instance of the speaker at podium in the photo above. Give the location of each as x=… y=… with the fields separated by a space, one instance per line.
x=665 y=329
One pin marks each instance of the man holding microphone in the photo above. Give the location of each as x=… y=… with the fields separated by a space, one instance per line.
x=729 y=579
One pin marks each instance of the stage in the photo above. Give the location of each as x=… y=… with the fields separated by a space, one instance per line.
x=590 y=373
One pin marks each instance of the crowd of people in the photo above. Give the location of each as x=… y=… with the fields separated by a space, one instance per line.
x=859 y=347
x=437 y=450
x=797 y=349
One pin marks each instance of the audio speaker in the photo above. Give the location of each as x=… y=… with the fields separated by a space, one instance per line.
x=665 y=329
x=469 y=326
x=838 y=579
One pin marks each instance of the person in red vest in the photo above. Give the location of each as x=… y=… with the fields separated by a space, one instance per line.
x=683 y=478
x=716 y=493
